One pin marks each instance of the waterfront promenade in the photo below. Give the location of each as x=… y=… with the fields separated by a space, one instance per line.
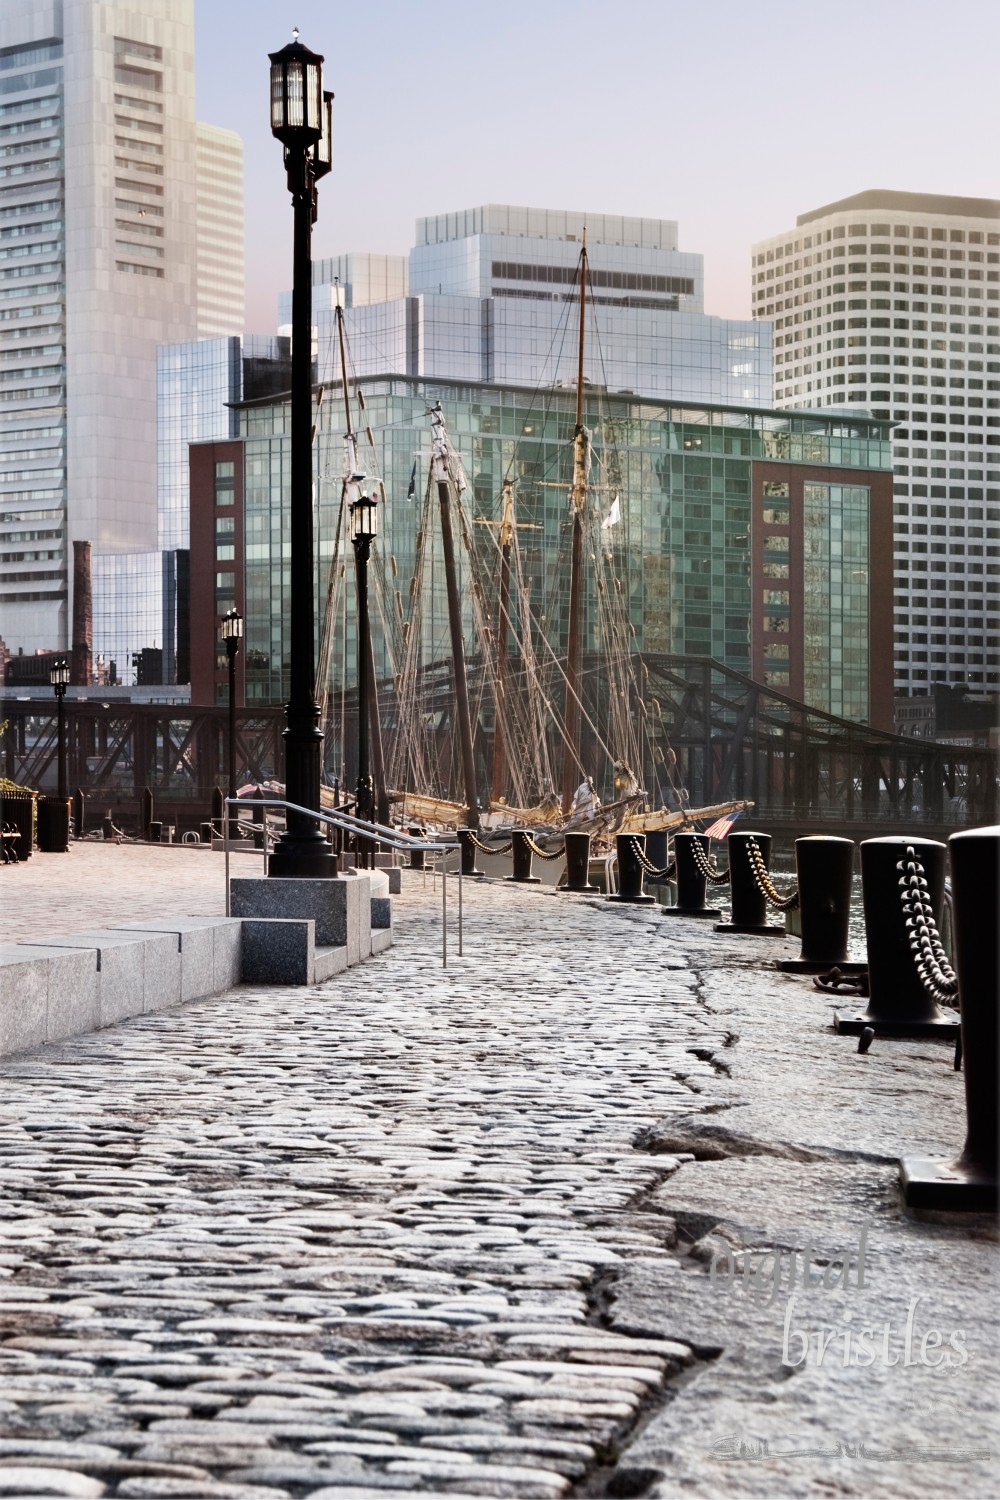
x=450 y=1232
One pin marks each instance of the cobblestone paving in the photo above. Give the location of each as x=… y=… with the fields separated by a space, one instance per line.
x=352 y=1239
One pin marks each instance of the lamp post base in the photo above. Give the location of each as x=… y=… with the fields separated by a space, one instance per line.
x=295 y=857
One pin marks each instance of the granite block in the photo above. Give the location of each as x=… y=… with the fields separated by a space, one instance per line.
x=209 y=948
x=328 y=903
x=74 y=993
x=279 y=950
x=329 y=961
x=228 y=954
x=357 y=915
x=395 y=875
x=24 y=997
x=381 y=912
x=137 y=972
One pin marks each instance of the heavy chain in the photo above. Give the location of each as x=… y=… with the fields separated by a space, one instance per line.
x=765 y=884
x=640 y=856
x=935 y=972
x=489 y=848
x=707 y=867
x=541 y=852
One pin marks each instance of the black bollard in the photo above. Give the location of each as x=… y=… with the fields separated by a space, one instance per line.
x=206 y=833
x=154 y=832
x=469 y=871
x=630 y=892
x=521 y=840
x=107 y=826
x=217 y=809
x=969 y=1184
x=824 y=866
x=898 y=1004
x=578 y=865
x=691 y=883
x=416 y=855
x=749 y=904
x=79 y=812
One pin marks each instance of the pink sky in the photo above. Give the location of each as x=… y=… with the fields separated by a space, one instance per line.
x=729 y=117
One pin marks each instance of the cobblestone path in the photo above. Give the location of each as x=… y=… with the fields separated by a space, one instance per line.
x=353 y=1239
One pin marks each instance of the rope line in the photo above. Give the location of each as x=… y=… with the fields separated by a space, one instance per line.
x=935 y=972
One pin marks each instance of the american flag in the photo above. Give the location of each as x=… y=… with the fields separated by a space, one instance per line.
x=721 y=826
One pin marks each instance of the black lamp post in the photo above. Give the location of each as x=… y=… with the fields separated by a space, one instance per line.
x=301 y=120
x=232 y=634
x=59 y=678
x=363 y=526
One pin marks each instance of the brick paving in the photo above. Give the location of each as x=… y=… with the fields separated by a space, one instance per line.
x=96 y=883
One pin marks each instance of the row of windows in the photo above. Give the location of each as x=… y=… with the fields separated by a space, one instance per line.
x=22 y=57
x=133 y=269
x=617 y=280
x=881 y=231
x=138 y=78
x=37 y=79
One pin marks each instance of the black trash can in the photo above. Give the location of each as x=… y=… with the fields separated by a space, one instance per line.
x=53 y=825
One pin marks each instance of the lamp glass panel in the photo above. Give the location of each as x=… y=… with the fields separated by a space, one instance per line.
x=294 y=95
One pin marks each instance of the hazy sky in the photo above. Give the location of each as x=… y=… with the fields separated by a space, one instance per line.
x=729 y=116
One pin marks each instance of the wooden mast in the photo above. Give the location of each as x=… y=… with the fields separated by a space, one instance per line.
x=442 y=477
x=506 y=539
x=578 y=503
x=353 y=478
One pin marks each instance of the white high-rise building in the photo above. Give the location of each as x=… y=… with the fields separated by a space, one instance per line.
x=891 y=301
x=220 y=232
x=99 y=264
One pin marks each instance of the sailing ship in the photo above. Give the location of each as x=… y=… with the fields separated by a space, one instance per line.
x=507 y=735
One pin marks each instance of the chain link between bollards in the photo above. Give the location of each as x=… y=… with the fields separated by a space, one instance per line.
x=707 y=867
x=558 y=854
x=764 y=883
x=488 y=848
x=935 y=972
x=641 y=858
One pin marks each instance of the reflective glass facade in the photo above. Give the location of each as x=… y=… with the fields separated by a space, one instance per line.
x=835 y=598
x=688 y=479
x=137 y=619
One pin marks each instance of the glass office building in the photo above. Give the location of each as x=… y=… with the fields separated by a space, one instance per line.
x=745 y=534
x=491 y=297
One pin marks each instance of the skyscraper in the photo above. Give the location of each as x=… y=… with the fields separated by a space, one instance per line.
x=891 y=301
x=99 y=264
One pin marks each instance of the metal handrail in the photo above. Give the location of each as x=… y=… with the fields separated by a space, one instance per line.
x=377 y=832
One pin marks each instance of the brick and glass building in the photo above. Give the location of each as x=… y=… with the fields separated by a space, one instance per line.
x=746 y=534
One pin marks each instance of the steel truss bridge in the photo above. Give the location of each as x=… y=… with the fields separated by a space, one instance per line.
x=732 y=738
